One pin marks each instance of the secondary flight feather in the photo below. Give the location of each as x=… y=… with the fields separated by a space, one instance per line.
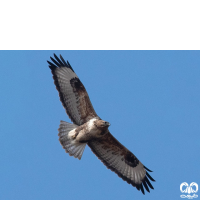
x=89 y=129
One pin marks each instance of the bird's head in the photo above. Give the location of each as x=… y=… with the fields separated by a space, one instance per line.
x=102 y=124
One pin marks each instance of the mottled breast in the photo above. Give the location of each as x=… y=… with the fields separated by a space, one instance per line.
x=93 y=129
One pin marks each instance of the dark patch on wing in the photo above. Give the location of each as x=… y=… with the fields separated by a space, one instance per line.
x=131 y=160
x=83 y=109
x=107 y=141
x=86 y=109
x=77 y=85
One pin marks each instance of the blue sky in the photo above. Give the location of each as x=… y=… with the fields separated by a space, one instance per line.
x=151 y=99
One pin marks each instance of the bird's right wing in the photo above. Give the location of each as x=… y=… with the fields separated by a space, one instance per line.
x=72 y=92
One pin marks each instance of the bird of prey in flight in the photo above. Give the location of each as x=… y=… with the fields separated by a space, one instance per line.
x=88 y=128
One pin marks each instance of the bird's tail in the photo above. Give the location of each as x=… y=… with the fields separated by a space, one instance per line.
x=67 y=140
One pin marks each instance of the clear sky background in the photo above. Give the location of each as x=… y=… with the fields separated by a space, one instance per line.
x=151 y=99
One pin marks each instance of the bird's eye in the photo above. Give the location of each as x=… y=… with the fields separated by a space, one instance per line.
x=106 y=123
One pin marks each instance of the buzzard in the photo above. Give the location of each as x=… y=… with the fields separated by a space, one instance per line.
x=88 y=128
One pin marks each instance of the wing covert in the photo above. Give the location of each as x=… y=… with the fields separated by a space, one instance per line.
x=72 y=92
x=119 y=159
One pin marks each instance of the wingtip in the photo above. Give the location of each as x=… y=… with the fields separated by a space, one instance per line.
x=148 y=169
x=146 y=184
x=148 y=175
x=51 y=66
x=142 y=189
x=59 y=62
x=146 y=187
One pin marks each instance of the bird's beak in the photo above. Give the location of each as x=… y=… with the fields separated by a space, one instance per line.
x=108 y=124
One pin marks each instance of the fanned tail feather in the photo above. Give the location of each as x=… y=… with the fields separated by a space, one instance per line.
x=67 y=141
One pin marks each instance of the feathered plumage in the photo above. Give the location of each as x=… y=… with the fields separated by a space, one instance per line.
x=88 y=128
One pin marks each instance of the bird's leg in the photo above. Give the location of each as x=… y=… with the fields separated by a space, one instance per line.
x=74 y=136
x=77 y=131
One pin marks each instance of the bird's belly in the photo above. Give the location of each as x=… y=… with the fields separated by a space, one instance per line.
x=85 y=136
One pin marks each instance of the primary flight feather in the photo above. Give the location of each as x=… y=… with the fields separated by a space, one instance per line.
x=88 y=128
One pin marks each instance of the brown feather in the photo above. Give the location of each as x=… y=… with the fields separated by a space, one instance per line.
x=107 y=148
x=103 y=146
x=72 y=92
x=86 y=109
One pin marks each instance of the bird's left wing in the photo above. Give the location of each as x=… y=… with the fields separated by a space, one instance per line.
x=119 y=159
x=72 y=92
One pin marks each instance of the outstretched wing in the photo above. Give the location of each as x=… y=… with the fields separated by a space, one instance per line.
x=119 y=159
x=72 y=92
